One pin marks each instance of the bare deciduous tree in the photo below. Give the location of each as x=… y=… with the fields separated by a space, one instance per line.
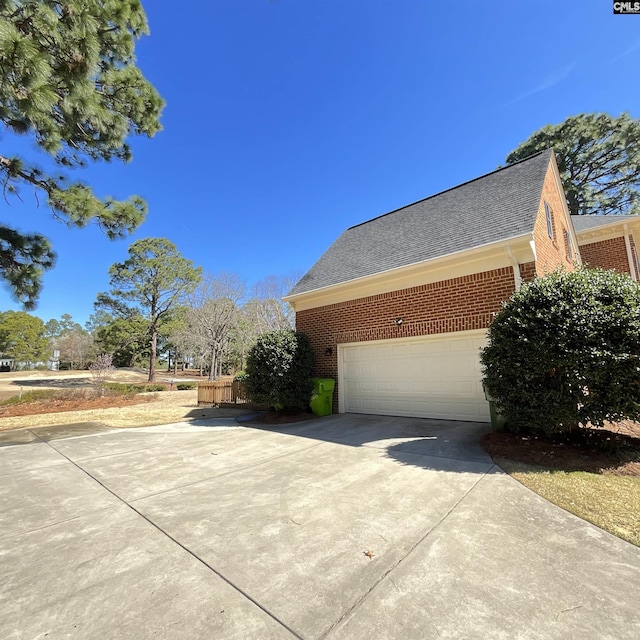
x=76 y=347
x=265 y=310
x=213 y=315
x=100 y=370
x=221 y=327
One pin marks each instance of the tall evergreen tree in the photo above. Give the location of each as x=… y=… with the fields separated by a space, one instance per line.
x=69 y=83
x=125 y=339
x=151 y=282
x=22 y=337
x=598 y=158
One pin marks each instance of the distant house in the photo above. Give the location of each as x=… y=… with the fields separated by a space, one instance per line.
x=9 y=364
x=398 y=307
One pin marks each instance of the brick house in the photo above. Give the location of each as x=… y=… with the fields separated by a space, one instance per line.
x=608 y=242
x=398 y=307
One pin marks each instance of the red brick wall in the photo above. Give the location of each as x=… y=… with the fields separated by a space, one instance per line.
x=458 y=304
x=608 y=254
x=528 y=271
x=551 y=253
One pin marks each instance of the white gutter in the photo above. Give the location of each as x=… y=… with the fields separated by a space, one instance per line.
x=472 y=251
x=517 y=276
x=627 y=244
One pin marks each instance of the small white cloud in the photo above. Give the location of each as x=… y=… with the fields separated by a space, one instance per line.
x=554 y=78
x=628 y=51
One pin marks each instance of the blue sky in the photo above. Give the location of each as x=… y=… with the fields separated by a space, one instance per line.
x=288 y=121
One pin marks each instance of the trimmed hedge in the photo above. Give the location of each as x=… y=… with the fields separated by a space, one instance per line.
x=127 y=387
x=565 y=350
x=185 y=386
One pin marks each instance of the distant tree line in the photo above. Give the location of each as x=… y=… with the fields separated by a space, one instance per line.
x=211 y=329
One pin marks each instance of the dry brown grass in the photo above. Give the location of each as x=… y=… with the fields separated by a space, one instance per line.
x=608 y=501
x=11 y=382
x=167 y=407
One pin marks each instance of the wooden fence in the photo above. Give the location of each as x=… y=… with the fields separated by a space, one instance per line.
x=225 y=393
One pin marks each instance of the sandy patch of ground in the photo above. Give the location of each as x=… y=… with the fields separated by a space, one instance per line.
x=12 y=382
x=162 y=408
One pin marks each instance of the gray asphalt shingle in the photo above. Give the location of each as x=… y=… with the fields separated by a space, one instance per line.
x=584 y=223
x=494 y=207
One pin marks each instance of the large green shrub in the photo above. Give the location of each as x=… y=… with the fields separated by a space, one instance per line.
x=565 y=350
x=279 y=370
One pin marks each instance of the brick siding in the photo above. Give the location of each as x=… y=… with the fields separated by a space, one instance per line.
x=528 y=271
x=458 y=304
x=608 y=254
x=551 y=252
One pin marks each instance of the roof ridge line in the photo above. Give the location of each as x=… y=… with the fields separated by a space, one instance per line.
x=462 y=184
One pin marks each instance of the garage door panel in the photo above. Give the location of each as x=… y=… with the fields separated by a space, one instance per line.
x=351 y=369
x=399 y=351
x=425 y=377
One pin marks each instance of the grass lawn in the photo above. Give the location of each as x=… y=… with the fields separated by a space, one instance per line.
x=593 y=473
x=609 y=501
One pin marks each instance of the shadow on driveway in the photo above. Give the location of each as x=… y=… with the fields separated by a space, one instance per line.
x=434 y=444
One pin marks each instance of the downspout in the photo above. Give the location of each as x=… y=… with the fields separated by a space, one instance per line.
x=516 y=268
x=627 y=244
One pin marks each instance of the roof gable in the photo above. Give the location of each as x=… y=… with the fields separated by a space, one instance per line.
x=494 y=207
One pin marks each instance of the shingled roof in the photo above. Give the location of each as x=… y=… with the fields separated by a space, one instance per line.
x=497 y=206
x=586 y=223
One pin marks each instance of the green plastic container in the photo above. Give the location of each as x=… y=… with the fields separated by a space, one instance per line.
x=498 y=421
x=322 y=397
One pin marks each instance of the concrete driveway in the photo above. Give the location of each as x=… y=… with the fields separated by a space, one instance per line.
x=346 y=527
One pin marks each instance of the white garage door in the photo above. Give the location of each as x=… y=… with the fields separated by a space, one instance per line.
x=422 y=377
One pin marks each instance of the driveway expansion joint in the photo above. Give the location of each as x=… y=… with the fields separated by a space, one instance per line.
x=391 y=569
x=253 y=465
x=57 y=523
x=183 y=547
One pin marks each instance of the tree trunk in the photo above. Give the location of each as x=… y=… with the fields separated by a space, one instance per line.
x=212 y=365
x=152 y=356
x=574 y=205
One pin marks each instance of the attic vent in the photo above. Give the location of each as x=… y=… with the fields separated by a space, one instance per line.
x=547 y=211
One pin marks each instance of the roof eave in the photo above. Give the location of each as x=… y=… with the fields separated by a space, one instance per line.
x=523 y=242
x=604 y=231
